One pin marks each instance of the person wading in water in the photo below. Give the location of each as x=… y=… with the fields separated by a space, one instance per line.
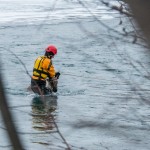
x=44 y=72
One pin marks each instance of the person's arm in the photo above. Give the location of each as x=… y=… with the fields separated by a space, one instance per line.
x=48 y=66
x=52 y=71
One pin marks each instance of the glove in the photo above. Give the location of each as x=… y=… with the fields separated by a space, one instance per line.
x=57 y=74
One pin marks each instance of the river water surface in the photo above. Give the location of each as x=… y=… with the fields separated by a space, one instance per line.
x=103 y=93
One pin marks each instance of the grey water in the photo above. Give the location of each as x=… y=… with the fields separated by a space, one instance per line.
x=102 y=101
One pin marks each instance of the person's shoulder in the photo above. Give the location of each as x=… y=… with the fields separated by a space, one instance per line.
x=47 y=60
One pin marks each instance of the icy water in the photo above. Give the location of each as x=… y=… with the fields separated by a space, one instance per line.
x=103 y=97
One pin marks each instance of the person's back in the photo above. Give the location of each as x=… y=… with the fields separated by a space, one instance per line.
x=43 y=68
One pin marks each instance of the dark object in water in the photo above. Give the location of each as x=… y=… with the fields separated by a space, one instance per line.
x=49 y=86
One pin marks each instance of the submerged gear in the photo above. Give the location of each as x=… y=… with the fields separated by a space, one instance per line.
x=38 y=86
x=43 y=68
x=51 y=48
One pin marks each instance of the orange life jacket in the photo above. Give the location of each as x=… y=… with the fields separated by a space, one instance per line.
x=43 y=68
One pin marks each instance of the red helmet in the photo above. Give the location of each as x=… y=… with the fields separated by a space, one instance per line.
x=51 y=48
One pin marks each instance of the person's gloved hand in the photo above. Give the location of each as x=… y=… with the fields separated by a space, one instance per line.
x=57 y=74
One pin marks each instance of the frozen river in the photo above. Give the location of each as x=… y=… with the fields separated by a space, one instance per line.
x=103 y=97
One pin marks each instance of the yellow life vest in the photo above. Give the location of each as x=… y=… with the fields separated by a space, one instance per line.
x=40 y=73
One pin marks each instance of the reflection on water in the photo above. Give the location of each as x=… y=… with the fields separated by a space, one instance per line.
x=43 y=109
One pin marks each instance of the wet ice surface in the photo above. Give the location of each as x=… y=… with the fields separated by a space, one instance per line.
x=103 y=96
x=33 y=11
